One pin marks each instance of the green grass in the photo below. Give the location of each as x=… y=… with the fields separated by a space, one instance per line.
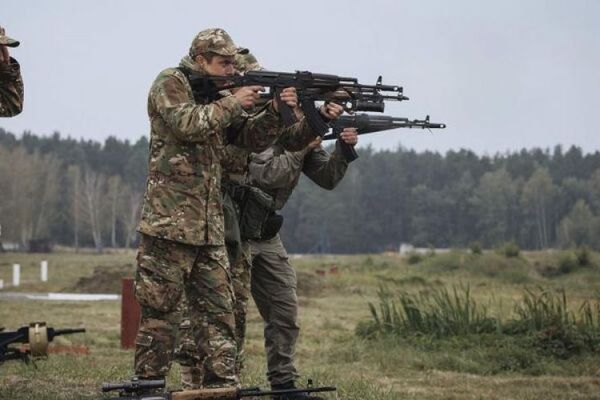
x=471 y=365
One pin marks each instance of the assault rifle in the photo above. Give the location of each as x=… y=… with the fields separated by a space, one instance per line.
x=138 y=389
x=367 y=123
x=35 y=337
x=310 y=87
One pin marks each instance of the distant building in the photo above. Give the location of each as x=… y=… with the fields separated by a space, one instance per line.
x=407 y=248
x=9 y=246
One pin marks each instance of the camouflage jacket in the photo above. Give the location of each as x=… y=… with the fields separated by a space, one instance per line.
x=277 y=171
x=236 y=159
x=11 y=89
x=183 y=194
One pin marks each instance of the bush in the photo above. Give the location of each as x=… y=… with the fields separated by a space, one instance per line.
x=430 y=251
x=437 y=312
x=540 y=310
x=584 y=257
x=557 y=330
x=567 y=263
x=509 y=249
x=414 y=258
x=542 y=321
x=475 y=248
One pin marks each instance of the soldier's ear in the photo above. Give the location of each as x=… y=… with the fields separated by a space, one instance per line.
x=201 y=61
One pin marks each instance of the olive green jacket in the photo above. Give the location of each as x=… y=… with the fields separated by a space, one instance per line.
x=277 y=171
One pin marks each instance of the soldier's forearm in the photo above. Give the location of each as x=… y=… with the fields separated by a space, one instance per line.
x=326 y=170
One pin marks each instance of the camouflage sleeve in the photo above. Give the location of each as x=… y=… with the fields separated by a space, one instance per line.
x=191 y=122
x=296 y=137
x=269 y=171
x=259 y=130
x=265 y=127
x=324 y=169
x=11 y=89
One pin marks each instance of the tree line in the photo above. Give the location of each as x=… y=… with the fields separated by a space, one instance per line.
x=85 y=193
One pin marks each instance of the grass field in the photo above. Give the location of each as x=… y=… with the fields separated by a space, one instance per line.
x=335 y=292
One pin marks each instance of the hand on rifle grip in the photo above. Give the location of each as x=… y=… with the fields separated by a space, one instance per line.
x=248 y=95
x=331 y=110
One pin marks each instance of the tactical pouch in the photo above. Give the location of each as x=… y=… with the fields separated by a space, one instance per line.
x=253 y=209
x=233 y=240
x=254 y=212
x=272 y=226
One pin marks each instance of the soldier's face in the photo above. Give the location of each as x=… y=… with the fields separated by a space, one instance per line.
x=218 y=65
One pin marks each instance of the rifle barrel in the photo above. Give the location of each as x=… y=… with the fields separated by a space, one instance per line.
x=52 y=333
x=253 y=392
x=134 y=385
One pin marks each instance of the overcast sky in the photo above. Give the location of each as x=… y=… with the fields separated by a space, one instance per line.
x=503 y=76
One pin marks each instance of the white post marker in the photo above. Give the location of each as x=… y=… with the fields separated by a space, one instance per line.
x=44 y=270
x=16 y=274
x=1 y=284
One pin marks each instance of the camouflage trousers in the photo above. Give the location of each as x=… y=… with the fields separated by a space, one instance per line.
x=167 y=272
x=191 y=376
x=274 y=291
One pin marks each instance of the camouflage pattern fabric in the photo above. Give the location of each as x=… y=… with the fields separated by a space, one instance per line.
x=259 y=132
x=11 y=89
x=246 y=62
x=215 y=40
x=234 y=161
x=7 y=41
x=191 y=373
x=167 y=271
x=183 y=195
x=240 y=275
x=182 y=253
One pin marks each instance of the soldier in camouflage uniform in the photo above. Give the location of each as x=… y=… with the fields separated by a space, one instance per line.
x=182 y=230
x=11 y=84
x=273 y=280
x=234 y=171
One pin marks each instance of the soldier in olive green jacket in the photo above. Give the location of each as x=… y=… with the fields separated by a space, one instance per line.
x=11 y=83
x=182 y=245
x=273 y=280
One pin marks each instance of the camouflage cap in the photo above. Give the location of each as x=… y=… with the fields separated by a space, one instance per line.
x=6 y=41
x=215 y=40
x=246 y=62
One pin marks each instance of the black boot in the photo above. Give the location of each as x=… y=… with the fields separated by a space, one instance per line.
x=295 y=396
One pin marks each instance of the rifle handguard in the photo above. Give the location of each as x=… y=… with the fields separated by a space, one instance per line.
x=369 y=106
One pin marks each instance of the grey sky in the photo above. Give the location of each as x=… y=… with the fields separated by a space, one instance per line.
x=502 y=75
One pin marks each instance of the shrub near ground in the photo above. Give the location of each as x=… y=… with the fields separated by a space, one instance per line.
x=334 y=299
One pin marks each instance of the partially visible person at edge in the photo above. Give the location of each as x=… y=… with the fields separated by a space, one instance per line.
x=234 y=176
x=11 y=83
x=182 y=235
